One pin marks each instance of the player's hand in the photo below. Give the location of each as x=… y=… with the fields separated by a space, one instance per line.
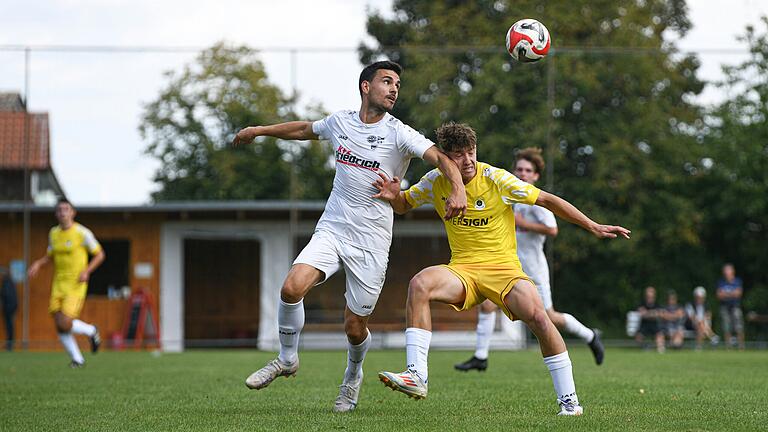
x=245 y=136
x=456 y=204
x=520 y=222
x=389 y=189
x=610 y=231
x=33 y=269
x=83 y=277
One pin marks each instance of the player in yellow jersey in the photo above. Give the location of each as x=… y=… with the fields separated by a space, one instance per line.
x=69 y=245
x=484 y=263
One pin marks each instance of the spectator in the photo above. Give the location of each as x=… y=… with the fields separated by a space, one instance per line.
x=729 y=292
x=10 y=303
x=700 y=317
x=649 y=319
x=673 y=320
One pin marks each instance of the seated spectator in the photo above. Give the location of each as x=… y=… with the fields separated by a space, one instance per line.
x=701 y=318
x=649 y=319
x=672 y=321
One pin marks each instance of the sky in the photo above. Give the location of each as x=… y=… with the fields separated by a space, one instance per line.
x=95 y=99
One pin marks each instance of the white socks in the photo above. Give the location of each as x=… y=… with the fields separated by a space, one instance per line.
x=70 y=344
x=355 y=357
x=290 y=321
x=416 y=350
x=574 y=327
x=485 y=325
x=79 y=327
x=559 y=366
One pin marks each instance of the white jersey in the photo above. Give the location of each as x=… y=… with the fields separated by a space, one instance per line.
x=363 y=150
x=530 y=245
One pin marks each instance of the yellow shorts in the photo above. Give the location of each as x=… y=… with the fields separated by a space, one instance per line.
x=67 y=297
x=487 y=281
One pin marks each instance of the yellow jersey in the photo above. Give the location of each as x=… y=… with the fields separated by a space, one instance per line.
x=69 y=249
x=486 y=233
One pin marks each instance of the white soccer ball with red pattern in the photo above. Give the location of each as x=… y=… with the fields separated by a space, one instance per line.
x=528 y=40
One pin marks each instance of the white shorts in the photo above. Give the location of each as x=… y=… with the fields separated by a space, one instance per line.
x=365 y=269
x=546 y=295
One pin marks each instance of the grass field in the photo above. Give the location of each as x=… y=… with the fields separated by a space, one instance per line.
x=204 y=391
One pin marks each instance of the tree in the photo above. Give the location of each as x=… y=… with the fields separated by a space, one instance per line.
x=620 y=123
x=196 y=115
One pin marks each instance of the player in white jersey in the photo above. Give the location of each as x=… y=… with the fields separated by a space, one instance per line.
x=355 y=230
x=533 y=225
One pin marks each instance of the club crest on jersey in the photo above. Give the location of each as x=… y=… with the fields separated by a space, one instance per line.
x=479 y=204
x=374 y=141
x=68 y=243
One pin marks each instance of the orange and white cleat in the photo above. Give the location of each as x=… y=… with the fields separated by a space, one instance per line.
x=407 y=382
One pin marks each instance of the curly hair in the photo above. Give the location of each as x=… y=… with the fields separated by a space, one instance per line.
x=456 y=137
x=532 y=155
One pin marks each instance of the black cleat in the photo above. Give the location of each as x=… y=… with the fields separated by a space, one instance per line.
x=76 y=365
x=95 y=342
x=597 y=347
x=473 y=363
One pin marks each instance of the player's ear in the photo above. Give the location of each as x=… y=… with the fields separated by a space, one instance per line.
x=365 y=87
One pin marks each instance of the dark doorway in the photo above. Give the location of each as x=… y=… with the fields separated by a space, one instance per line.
x=221 y=292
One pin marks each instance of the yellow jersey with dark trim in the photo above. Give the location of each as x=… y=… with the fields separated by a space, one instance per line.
x=486 y=233
x=69 y=249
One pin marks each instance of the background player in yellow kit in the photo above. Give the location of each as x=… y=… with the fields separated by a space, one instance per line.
x=69 y=245
x=484 y=262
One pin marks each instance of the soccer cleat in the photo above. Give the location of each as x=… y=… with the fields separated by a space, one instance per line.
x=275 y=368
x=76 y=365
x=473 y=363
x=569 y=408
x=406 y=382
x=348 y=394
x=597 y=347
x=95 y=342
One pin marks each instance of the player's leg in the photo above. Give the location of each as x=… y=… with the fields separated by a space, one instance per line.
x=435 y=283
x=524 y=303
x=486 y=320
x=78 y=327
x=66 y=302
x=358 y=342
x=290 y=321
x=567 y=322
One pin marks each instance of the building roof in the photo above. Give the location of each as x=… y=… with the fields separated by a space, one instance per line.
x=11 y=102
x=12 y=140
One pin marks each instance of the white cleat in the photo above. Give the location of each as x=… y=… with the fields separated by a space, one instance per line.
x=275 y=368
x=569 y=408
x=348 y=394
x=406 y=382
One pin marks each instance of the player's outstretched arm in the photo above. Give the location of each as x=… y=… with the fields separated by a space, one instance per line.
x=456 y=204
x=567 y=211
x=295 y=130
x=389 y=190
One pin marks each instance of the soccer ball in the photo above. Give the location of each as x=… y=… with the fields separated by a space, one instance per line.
x=528 y=40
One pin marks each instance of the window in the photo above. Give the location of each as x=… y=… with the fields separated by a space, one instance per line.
x=114 y=272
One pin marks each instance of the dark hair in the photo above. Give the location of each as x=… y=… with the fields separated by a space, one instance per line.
x=63 y=201
x=532 y=155
x=370 y=71
x=456 y=136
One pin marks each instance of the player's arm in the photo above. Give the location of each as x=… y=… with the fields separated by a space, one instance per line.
x=536 y=227
x=294 y=130
x=456 y=204
x=37 y=265
x=93 y=264
x=389 y=190
x=567 y=211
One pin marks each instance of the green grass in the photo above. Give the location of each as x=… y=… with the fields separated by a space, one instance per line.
x=204 y=391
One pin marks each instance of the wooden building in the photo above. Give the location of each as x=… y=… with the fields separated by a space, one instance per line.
x=215 y=270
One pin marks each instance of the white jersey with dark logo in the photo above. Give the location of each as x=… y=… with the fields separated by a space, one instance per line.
x=362 y=151
x=530 y=245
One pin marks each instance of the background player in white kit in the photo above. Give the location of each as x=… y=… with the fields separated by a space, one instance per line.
x=355 y=230
x=533 y=225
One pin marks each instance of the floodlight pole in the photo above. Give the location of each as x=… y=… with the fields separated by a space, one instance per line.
x=26 y=208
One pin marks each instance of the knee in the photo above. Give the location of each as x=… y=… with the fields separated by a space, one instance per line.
x=356 y=331
x=63 y=325
x=419 y=289
x=539 y=319
x=291 y=292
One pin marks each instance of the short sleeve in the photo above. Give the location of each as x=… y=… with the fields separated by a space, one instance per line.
x=49 y=250
x=89 y=241
x=421 y=193
x=322 y=128
x=513 y=190
x=411 y=142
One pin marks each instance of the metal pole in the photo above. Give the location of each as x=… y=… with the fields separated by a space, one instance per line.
x=550 y=154
x=293 y=213
x=26 y=206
